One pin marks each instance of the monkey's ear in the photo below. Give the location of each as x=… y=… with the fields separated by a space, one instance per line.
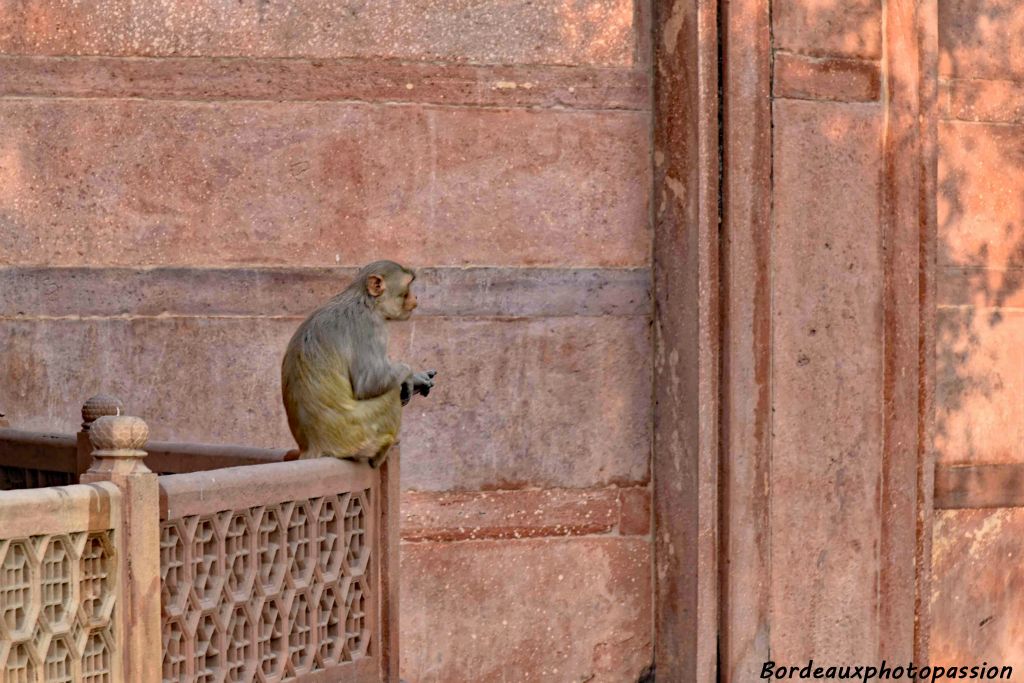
x=375 y=285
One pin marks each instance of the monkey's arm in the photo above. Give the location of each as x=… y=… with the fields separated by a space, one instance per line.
x=372 y=377
x=371 y=373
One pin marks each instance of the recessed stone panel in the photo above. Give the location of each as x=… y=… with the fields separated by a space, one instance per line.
x=135 y=183
x=848 y=28
x=528 y=610
x=981 y=39
x=977 y=588
x=827 y=289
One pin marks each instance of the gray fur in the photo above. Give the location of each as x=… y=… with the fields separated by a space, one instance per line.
x=349 y=325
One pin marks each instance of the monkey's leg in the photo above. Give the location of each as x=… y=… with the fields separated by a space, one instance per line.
x=362 y=430
x=375 y=452
x=378 y=460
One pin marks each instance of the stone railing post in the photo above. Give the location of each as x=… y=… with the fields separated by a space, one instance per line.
x=92 y=410
x=388 y=538
x=118 y=457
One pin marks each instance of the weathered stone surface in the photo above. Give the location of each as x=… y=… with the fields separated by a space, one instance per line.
x=527 y=610
x=531 y=31
x=475 y=515
x=827 y=372
x=685 y=326
x=635 y=511
x=976 y=580
x=974 y=99
x=826 y=78
x=981 y=245
x=979 y=201
x=851 y=28
x=332 y=80
x=979 y=287
x=981 y=39
x=549 y=402
x=498 y=292
x=979 y=368
x=979 y=385
x=977 y=588
x=94 y=182
x=986 y=485
x=556 y=402
x=746 y=349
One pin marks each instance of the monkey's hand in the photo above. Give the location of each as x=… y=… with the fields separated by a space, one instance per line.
x=423 y=382
x=420 y=383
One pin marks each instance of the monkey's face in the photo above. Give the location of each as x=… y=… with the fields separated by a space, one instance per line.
x=394 y=297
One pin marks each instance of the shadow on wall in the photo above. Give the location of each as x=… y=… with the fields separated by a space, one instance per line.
x=977 y=278
x=854 y=27
x=976 y=589
x=977 y=38
x=980 y=241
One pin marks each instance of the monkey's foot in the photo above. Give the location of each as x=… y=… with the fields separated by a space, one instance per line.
x=353 y=457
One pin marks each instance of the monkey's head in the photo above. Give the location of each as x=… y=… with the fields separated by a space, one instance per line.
x=389 y=289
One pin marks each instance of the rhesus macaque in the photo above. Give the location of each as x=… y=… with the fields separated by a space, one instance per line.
x=342 y=395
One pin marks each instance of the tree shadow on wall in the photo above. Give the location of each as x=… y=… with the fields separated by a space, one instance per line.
x=977 y=37
x=972 y=295
x=980 y=198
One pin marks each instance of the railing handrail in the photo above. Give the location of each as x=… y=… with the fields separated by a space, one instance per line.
x=171 y=457
x=48 y=451
x=59 y=509
x=205 y=492
x=56 y=452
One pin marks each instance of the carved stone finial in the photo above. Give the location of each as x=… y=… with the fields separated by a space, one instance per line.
x=98 y=406
x=119 y=433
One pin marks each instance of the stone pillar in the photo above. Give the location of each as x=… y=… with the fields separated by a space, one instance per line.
x=827 y=363
x=93 y=409
x=389 y=522
x=685 y=462
x=118 y=457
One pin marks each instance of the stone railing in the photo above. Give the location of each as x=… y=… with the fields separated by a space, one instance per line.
x=59 y=584
x=270 y=568
x=274 y=571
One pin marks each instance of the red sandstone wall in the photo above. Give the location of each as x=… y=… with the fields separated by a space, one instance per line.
x=820 y=446
x=821 y=329
x=166 y=222
x=977 y=597
x=827 y=292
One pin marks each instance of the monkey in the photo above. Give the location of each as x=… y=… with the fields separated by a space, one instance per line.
x=342 y=394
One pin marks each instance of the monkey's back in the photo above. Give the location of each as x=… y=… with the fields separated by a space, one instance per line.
x=323 y=413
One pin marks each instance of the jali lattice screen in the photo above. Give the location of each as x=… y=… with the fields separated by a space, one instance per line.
x=266 y=593
x=56 y=604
